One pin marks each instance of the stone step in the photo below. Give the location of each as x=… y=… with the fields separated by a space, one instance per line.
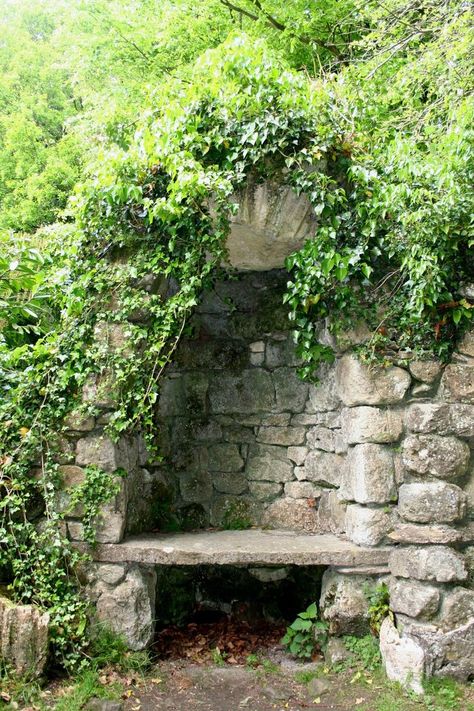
x=248 y=547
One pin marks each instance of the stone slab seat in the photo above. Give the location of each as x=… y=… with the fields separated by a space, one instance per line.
x=248 y=547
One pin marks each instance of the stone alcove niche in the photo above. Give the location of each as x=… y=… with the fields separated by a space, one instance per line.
x=370 y=474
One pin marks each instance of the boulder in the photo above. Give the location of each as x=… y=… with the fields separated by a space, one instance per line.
x=371 y=424
x=414 y=599
x=431 y=502
x=443 y=457
x=457 y=383
x=437 y=563
x=371 y=474
x=425 y=370
x=403 y=658
x=441 y=418
x=358 y=384
x=367 y=527
x=344 y=603
x=321 y=468
x=457 y=609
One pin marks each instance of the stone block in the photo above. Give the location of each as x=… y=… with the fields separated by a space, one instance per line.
x=466 y=345
x=281 y=353
x=322 y=468
x=290 y=391
x=265 y=490
x=371 y=424
x=403 y=658
x=358 y=384
x=196 y=487
x=427 y=371
x=98 y=450
x=225 y=458
x=229 y=482
x=457 y=383
x=250 y=392
x=292 y=514
x=331 y=512
x=297 y=454
x=79 y=422
x=24 y=637
x=321 y=438
x=414 y=599
x=302 y=490
x=441 y=418
x=371 y=474
x=100 y=390
x=367 y=527
x=129 y=607
x=425 y=534
x=325 y=419
x=433 y=502
x=230 y=511
x=344 y=603
x=437 y=563
x=289 y=436
x=323 y=396
x=442 y=457
x=457 y=608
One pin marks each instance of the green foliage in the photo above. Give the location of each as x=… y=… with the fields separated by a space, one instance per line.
x=366 y=651
x=236 y=516
x=306 y=634
x=379 y=607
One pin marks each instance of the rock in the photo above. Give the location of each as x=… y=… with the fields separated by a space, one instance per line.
x=24 y=638
x=276 y=694
x=457 y=609
x=414 y=599
x=371 y=474
x=322 y=468
x=425 y=370
x=98 y=450
x=323 y=397
x=257 y=347
x=367 y=527
x=358 y=384
x=266 y=467
x=269 y=575
x=234 y=511
x=443 y=457
x=302 y=490
x=281 y=435
x=437 y=563
x=331 y=513
x=272 y=222
x=344 y=603
x=251 y=391
x=196 y=487
x=293 y=514
x=318 y=687
x=336 y=652
x=230 y=482
x=403 y=658
x=265 y=490
x=421 y=390
x=457 y=383
x=371 y=424
x=321 y=438
x=466 y=345
x=79 y=421
x=411 y=533
x=290 y=391
x=225 y=458
x=129 y=607
x=100 y=390
x=297 y=454
x=327 y=419
x=433 y=502
x=441 y=418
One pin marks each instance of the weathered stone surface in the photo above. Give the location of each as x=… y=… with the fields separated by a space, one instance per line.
x=271 y=223
x=466 y=345
x=367 y=527
x=267 y=468
x=323 y=397
x=469 y=490
x=97 y=704
x=371 y=474
x=291 y=514
x=229 y=510
x=281 y=353
x=225 y=458
x=411 y=533
x=433 y=502
x=443 y=457
x=322 y=468
x=24 y=637
x=290 y=391
x=288 y=436
x=331 y=513
x=403 y=658
x=441 y=418
x=71 y=475
x=251 y=391
x=265 y=490
x=98 y=450
x=321 y=438
x=196 y=487
x=302 y=490
x=297 y=454
x=326 y=419
x=79 y=421
x=100 y=390
x=229 y=482
x=269 y=575
x=129 y=607
x=336 y=652
x=370 y=424
x=358 y=384
x=344 y=603
x=414 y=599
x=425 y=370
x=457 y=383
x=112 y=573
x=437 y=563
x=457 y=609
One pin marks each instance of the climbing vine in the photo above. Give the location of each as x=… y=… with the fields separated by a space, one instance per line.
x=391 y=249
